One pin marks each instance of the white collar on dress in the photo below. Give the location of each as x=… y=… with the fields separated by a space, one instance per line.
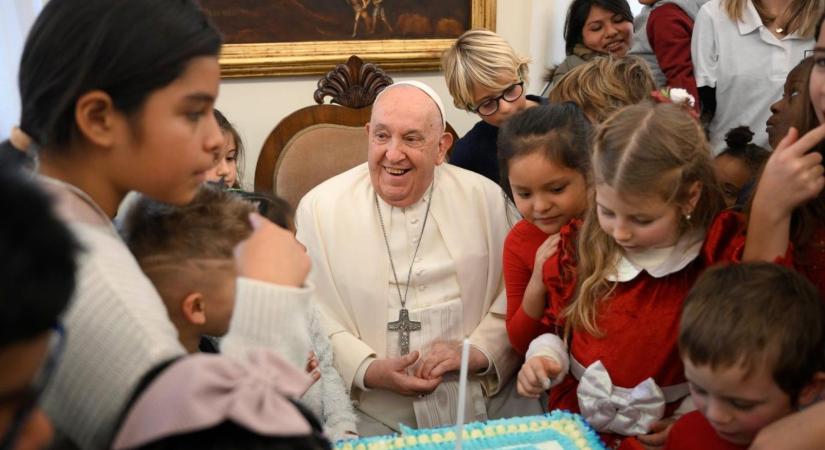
x=660 y=262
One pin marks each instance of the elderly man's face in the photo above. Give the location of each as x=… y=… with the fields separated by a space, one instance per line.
x=406 y=142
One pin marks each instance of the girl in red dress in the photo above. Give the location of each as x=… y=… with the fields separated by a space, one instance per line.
x=543 y=153
x=617 y=281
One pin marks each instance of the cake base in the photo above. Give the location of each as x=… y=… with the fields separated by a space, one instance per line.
x=557 y=430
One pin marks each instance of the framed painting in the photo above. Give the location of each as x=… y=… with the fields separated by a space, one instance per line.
x=304 y=37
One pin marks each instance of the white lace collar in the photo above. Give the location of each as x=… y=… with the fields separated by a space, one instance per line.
x=659 y=262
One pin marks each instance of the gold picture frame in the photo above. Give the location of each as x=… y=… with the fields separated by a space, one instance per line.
x=317 y=57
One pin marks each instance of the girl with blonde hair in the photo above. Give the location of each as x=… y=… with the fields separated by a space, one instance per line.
x=604 y=85
x=655 y=222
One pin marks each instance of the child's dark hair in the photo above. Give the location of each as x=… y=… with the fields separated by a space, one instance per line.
x=739 y=146
x=125 y=48
x=752 y=314
x=37 y=270
x=560 y=131
x=577 y=16
x=227 y=127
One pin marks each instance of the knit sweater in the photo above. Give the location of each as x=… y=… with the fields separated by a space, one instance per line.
x=118 y=329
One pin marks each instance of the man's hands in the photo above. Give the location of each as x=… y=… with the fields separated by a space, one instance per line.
x=271 y=254
x=535 y=375
x=445 y=356
x=442 y=357
x=391 y=374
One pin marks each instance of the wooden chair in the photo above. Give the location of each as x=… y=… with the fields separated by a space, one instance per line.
x=320 y=141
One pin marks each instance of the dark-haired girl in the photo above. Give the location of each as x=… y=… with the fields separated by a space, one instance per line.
x=738 y=165
x=594 y=28
x=544 y=159
x=118 y=96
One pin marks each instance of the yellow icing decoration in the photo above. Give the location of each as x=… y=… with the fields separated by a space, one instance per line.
x=489 y=431
x=450 y=436
x=437 y=438
x=411 y=440
x=475 y=434
x=512 y=428
x=500 y=429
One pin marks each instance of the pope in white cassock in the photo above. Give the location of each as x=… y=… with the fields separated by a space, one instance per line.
x=406 y=260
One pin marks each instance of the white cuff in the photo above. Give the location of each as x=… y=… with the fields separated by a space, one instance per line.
x=551 y=346
x=358 y=381
x=271 y=316
x=490 y=366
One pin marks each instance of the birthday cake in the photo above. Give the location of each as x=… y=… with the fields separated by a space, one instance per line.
x=557 y=430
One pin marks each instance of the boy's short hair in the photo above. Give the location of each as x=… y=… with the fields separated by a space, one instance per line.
x=753 y=314
x=483 y=57
x=604 y=85
x=38 y=263
x=207 y=228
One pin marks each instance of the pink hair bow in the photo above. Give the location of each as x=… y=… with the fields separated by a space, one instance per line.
x=202 y=390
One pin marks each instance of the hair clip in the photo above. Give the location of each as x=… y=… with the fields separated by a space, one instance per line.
x=676 y=96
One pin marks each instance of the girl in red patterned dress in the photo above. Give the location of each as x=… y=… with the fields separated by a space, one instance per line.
x=654 y=224
x=543 y=154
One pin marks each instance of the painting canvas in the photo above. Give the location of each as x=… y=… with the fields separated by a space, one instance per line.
x=251 y=21
x=293 y=37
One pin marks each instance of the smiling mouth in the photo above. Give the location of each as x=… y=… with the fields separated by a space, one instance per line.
x=396 y=172
x=613 y=46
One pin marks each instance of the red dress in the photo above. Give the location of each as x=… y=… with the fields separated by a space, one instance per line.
x=810 y=260
x=693 y=432
x=640 y=320
x=519 y=258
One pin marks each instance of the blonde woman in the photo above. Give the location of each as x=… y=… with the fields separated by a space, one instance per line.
x=487 y=77
x=742 y=51
x=604 y=85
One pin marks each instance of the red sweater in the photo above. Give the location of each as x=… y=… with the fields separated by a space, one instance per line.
x=669 y=30
x=519 y=257
x=693 y=432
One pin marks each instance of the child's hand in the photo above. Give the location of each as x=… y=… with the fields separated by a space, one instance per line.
x=312 y=366
x=657 y=436
x=793 y=174
x=535 y=375
x=545 y=251
x=272 y=254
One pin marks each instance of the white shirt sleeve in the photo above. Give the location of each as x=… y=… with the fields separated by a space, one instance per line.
x=703 y=48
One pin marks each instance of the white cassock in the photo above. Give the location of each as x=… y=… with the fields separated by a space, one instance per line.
x=456 y=291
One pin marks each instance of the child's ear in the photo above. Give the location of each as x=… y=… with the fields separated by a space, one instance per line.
x=813 y=390
x=95 y=115
x=194 y=308
x=694 y=193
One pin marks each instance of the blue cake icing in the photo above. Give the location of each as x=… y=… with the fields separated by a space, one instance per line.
x=554 y=430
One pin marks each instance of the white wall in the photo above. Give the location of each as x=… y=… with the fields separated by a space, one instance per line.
x=256 y=105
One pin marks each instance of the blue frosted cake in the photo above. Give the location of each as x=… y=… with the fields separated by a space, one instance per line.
x=553 y=431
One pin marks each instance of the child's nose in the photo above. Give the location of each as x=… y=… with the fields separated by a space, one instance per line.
x=621 y=233
x=716 y=412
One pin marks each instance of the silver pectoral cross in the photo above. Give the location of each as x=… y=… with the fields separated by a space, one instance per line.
x=403 y=326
